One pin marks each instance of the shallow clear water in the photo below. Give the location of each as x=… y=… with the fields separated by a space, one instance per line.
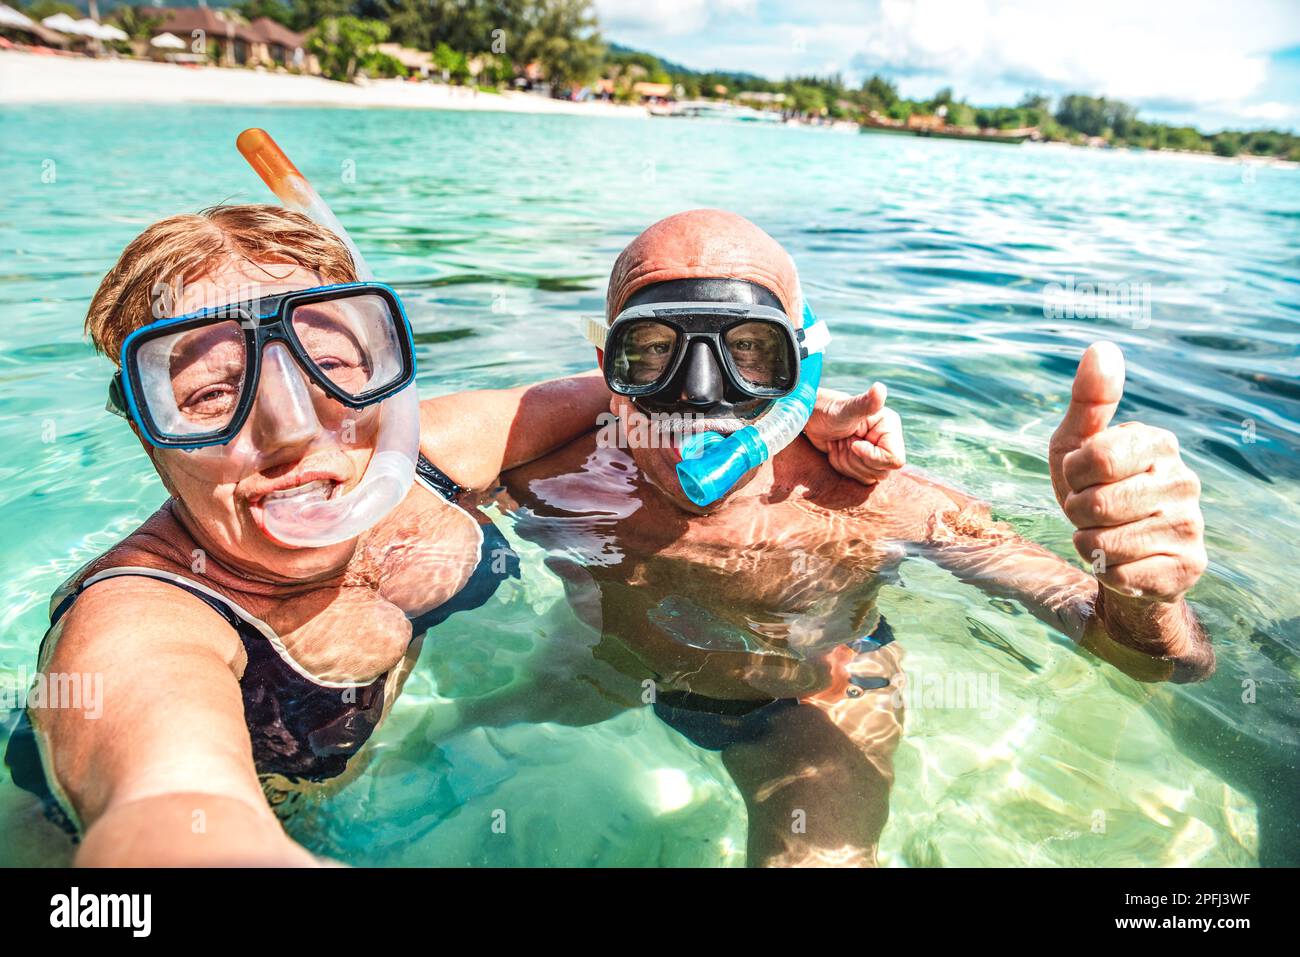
x=930 y=261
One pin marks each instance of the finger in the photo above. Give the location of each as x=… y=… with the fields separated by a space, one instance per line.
x=1118 y=503
x=1162 y=577
x=869 y=454
x=1162 y=534
x=847 y=462
x=1116 y=454
x=888 y=434
x=859 y=409
x=1098 y=387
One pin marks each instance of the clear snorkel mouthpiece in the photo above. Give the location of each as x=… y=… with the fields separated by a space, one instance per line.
x=391 y=471
x=712 y=464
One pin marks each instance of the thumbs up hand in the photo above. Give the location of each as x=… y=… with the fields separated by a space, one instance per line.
x=1134 y=504
x=861 y=436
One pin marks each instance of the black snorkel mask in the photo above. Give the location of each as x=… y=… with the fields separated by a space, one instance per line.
x=716 y=347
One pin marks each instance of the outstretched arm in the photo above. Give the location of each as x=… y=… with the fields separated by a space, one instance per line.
x=1136 y=510
x=475 y=436
x=1151 y=641
x=158 y=767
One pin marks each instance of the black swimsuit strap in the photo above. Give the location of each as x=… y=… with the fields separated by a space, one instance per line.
x=437 y=478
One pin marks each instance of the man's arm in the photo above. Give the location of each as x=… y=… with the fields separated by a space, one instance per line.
x=1150 y=640
x=159 y=768
x=1135 y=506
x=475 y=436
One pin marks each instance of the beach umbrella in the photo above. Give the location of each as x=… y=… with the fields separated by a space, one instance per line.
x=109 y=32
x=90 y=28
x=63 y=23
x=10 y=17
x=167 y=41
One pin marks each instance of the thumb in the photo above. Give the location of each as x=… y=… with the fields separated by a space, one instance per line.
x=856 y=410
x=1098 y=387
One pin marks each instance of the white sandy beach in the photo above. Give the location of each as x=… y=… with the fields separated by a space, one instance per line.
x=30 y=78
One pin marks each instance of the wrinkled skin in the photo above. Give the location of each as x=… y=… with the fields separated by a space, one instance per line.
x=755 y=597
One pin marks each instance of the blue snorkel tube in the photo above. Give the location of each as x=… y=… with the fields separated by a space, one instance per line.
x=712 y=464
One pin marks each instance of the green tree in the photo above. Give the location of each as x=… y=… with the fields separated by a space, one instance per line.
x=40 y=9
x=312 y=13
x=879 y=94
x=138 y=23
x=280 y=11
x=942 y=98
x=452 y=63
x=560 y=35
x=344 y=45
x=808 y=100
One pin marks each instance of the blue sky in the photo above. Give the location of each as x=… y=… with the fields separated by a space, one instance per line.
x=1212 y=64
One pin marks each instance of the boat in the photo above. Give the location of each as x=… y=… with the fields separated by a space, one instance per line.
x=718 y=110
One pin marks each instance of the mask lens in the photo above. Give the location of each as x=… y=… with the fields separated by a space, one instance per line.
x=643 y=354
x=353 y=341
x=191 y=382
x=760 y=352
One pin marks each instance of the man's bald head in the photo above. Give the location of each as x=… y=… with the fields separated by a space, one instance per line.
x=704 y=244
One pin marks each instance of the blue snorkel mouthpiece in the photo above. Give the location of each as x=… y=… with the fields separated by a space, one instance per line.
x=712 y=464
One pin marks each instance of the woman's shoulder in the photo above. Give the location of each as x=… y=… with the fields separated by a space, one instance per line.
x=160 y=544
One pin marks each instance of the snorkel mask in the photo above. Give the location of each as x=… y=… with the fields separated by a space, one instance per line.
x=190 y=383
x=653 y=352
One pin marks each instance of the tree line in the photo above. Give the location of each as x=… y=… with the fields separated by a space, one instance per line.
x=490 y=42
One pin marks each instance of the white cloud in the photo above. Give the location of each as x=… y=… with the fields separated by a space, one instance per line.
x=1155 y=52
x=1271 y=112
x=1194 y=57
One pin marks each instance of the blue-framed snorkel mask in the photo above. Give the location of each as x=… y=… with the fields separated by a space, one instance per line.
x=723 y=347
x=189 y=382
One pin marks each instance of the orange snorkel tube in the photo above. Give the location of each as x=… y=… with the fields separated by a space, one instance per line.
x=391 y=470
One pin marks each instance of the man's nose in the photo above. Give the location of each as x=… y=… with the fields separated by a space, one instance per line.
x=283 y=415
x=702 y=385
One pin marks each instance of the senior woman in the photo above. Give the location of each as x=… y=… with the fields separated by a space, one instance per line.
x=237 y=650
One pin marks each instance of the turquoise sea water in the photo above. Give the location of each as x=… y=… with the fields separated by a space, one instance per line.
x=932 y=262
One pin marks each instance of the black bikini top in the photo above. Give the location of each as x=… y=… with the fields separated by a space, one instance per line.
x=301 y=727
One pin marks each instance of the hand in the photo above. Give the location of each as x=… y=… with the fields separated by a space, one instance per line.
x=1135 y=505
x=861 y=438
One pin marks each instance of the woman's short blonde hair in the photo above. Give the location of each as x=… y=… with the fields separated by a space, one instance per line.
x=182 y=249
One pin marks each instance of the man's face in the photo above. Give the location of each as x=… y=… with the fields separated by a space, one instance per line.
x=655 y=437
x=317 y=449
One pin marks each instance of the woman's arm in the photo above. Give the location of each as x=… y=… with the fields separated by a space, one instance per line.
x=475 y=436
x=157 y=763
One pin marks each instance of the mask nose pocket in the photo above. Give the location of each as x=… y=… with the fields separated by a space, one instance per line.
x=283 y=411
x=702 y=383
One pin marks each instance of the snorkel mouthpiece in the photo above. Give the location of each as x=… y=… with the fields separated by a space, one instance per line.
x=712 y=464
x=391 y=471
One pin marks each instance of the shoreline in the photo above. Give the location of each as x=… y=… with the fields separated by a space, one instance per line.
x=50 y=80
x=35 y=79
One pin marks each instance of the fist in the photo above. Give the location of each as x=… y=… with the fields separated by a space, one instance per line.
x=1134 y=504
x=861 y=436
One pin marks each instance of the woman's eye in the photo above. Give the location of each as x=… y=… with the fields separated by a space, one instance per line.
x=210 y=400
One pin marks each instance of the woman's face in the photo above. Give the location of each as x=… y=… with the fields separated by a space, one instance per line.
x=297 y=443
